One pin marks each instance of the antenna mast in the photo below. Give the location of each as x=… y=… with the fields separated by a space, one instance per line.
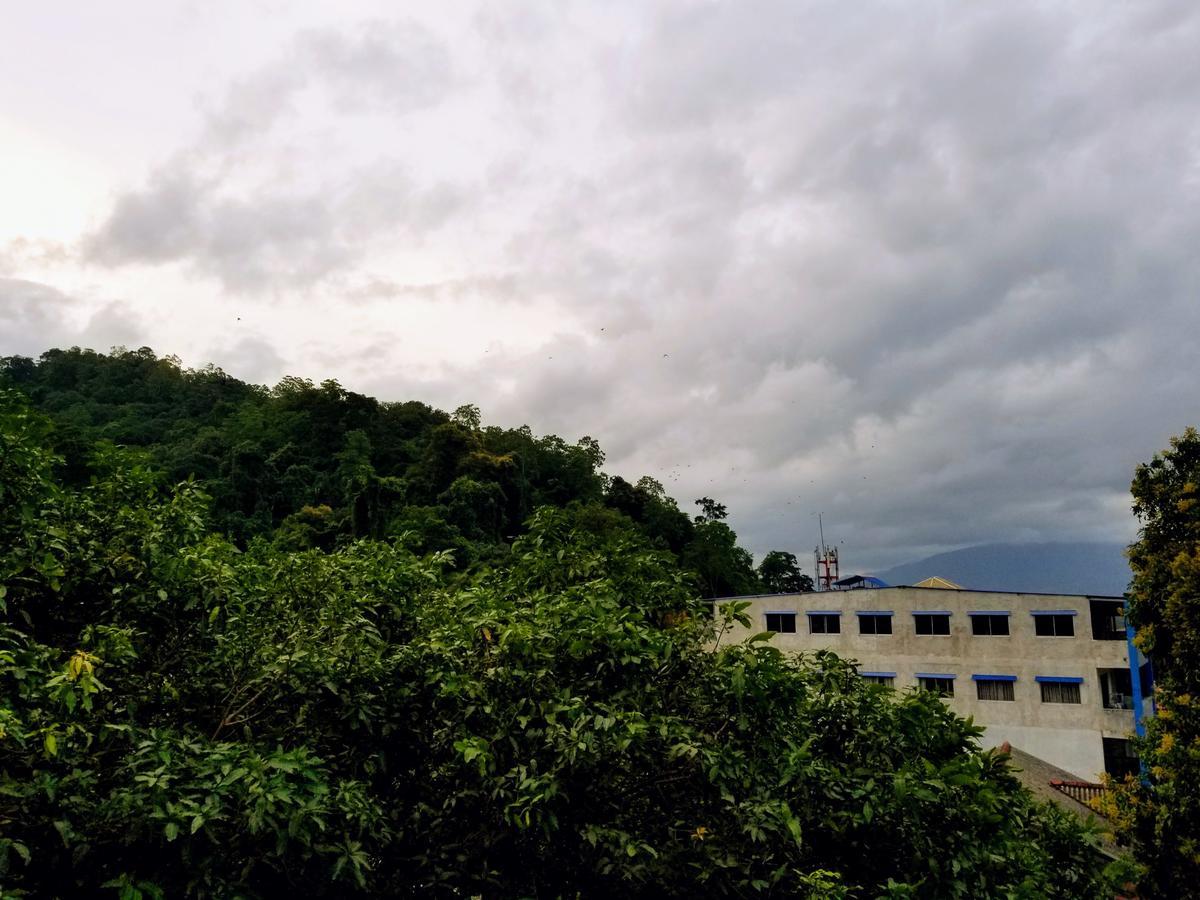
x=826 y=560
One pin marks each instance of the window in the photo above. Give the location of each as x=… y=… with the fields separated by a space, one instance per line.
x=989 y=623
x=938 y=684
x=1116 y=688
x=1060 y=690
x=932 y=622
x=1119 y=757
x=781 y=622
x=1054 y=624
x=875 y=623
x=824 y=623
x=887 y=679
x=995 y=687
x=1108 y=620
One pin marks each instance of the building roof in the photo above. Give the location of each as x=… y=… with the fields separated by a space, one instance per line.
x=908 y=587
x=857 y=581
x=936 y=581
x=1038 y=776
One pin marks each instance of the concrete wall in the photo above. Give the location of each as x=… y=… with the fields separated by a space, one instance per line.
x=1066 y=735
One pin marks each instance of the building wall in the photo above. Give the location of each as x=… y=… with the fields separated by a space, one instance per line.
x=1066 y=735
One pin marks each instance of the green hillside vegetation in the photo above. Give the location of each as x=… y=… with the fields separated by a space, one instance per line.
x=313 y=465
x=214 y=687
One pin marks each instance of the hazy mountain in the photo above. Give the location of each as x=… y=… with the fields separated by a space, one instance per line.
x=1093 y=568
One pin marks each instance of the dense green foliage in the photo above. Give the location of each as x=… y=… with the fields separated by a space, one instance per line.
x=183 y=717
x=316 y=465
x=780 y=573
x=1160 y=812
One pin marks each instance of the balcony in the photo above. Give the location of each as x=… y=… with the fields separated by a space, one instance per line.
x=1116 y=688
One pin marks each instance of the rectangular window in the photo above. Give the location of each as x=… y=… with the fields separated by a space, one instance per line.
x=989 y=623
x=998 y=688
x=938 y=684
x=1116 y=688
x=887 y=679
x=1060 y=692
x=1120 y=759
x=1108 y=620
x=824 y=623
x=874 y=623
x=932 y=623
x=1054 y=624
x=781 y=622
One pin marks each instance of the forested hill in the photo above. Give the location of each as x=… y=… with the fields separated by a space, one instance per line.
x=313 y=465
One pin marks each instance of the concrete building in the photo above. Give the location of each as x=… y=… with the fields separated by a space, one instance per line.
x=1048 y=673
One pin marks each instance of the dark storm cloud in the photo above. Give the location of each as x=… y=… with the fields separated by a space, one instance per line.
x=940 y=264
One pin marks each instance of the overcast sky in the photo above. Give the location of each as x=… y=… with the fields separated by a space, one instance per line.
x=930 y=268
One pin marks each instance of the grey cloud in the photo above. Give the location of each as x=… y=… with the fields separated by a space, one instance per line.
x=496 y=288
x=397 y=65
x=928 y=269
x=29 y=310
x=925 y=271
x=253 y=359
x=267 y=238
x=36 y=316
x=198 y=210
x=394 y=66
x=158 y=224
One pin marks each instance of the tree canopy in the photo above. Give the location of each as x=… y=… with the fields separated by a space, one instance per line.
x=313 y=465
x=184 y=716
x=1159 y=811
x=780 y=573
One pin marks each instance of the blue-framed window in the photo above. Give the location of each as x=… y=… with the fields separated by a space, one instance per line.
x=990 y=623
x=933 y=621
x=995 y=687
x=937 y=682
x=824 y=621
x=781 y=622
x=875 y=621
x=887 y=679
x=1054 y=622
x=1059 y=688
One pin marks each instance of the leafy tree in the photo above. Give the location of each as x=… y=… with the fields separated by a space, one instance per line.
x=181 y=718
x=780 y=573
x=647 y=503
x=722 y=568
x=468 y=417
x=269 y=458
x=711 y=510
x=1160 y=811
x=311 y=527
x=474 y=507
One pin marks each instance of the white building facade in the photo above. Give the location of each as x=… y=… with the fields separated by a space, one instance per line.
x=1048 y=673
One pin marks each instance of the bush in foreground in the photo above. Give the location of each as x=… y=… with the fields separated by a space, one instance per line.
x=180 y=718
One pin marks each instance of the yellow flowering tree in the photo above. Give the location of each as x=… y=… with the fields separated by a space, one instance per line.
x=1159 y=812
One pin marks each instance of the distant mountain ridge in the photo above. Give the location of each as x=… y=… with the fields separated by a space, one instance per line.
x=1052 y=568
